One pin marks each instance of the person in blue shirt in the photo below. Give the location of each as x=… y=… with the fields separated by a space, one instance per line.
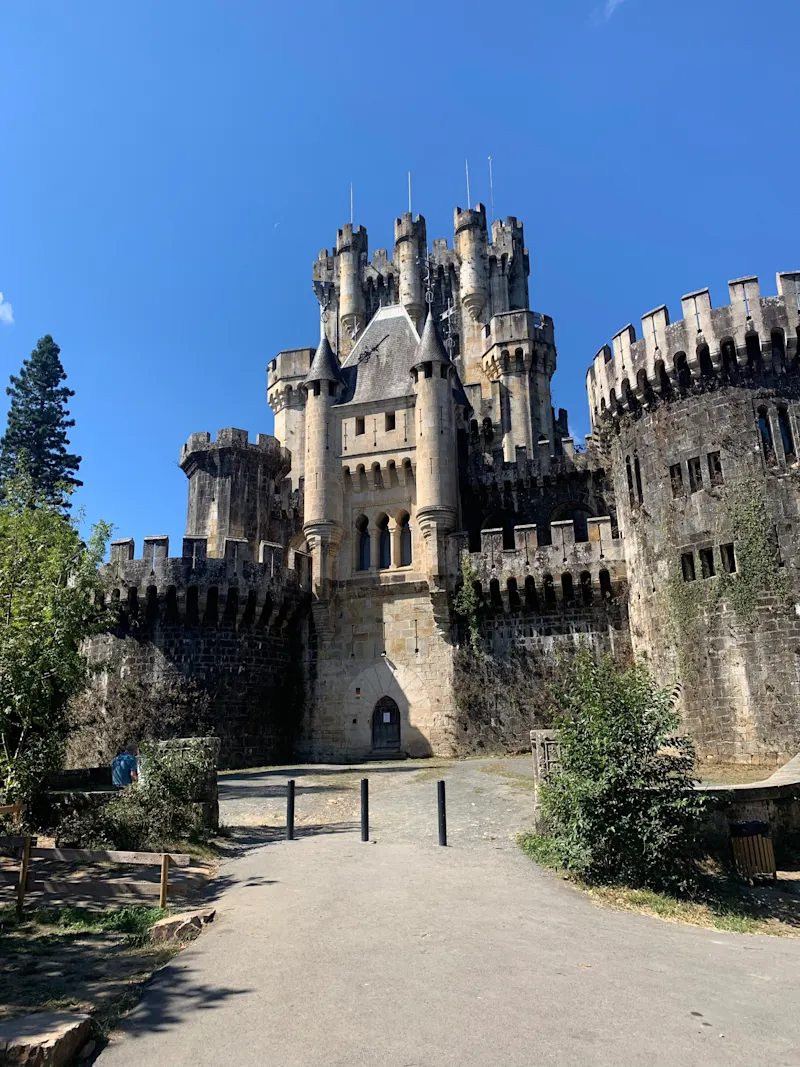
x=124 y=767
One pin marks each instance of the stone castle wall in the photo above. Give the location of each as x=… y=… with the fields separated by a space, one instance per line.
x=707 y=486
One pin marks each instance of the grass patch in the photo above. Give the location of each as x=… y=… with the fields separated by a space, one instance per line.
x=720 y=900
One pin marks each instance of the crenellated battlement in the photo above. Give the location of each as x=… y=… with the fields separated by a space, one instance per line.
x=288 y=370
x=489 y=464
x=753 y=339
x=231 y=438
x=523 y=340
x=236 y=590
x=560 y=573
x=469 y=218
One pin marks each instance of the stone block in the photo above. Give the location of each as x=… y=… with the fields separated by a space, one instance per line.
x=46 y=1039
x=184 y=927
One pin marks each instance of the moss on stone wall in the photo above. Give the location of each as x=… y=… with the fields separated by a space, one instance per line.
x=758 y=568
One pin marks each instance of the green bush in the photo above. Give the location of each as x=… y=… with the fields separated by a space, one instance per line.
x=152 y=815
x=622 y=808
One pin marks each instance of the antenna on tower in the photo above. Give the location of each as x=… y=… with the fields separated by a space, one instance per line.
x=351 y=203
x=409 y=192
x=469 y=202
x=491 y=187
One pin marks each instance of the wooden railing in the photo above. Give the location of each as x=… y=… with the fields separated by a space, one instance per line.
x=13 y=809
x=27 y=880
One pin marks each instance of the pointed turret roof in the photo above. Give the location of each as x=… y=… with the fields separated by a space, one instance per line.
x=430 y=348
x=324 y=366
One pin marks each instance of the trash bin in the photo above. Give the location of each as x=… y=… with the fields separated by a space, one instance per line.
x=753 y=854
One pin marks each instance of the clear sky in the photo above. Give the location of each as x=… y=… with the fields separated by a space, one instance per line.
x=170 y=168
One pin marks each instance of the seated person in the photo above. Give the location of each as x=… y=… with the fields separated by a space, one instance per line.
x=124 y=767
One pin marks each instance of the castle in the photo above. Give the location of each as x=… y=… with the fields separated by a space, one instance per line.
x=314 y=594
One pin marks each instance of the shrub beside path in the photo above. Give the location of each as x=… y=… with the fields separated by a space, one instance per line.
x=400 y=953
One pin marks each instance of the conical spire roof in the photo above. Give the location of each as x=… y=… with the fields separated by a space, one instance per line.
x=430 y=348
x=324 y=366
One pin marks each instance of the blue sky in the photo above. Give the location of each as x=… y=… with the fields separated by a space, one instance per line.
x=170 y=168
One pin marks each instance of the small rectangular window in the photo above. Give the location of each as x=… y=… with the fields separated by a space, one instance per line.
x=728 y=557
x=707 y=562
x=787 y=437
x=359 y=425
x=695 y=475
x=390 y=420
x=687 y=566
x=715 y=468
x=676 y=478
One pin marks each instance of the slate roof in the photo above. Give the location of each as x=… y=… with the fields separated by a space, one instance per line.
x=379 y=365
x=324 y=367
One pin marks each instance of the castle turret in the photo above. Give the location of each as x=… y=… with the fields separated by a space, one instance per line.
x=410 y=245
x=323 y=495
x=436 y=477
x=470 y=243
x=232 y=486
x=351 y=249
x=285 y=376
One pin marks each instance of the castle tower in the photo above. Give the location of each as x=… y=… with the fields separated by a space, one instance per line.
x=410 y=247
x=351 y=250
x=437 y=475
x=470 y=243
x=285 y=376
x=231 y=487
x=323 y=493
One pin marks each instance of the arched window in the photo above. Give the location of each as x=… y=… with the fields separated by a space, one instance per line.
x=730 y=367
x=586 y=588
x=151 y=606
x=765 y=430
x=787 y=437
x=386 y=726
x=706 y=366
x=531 y=599
x=605 y=585
x=682 y=372
x=171 y=605
x=212 y=607
x=514 y=601
x=778 y=349
x=629 y=473
x=405 y=542
x=192 y=609
x=384 y=544
x=753 y=346
x=362 y=527
x=550 y=601
x=568 y=590
x=638 y=474
x=494 y=594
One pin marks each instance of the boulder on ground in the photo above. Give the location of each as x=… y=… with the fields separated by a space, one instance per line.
x=44 y=1039
x=183 y=927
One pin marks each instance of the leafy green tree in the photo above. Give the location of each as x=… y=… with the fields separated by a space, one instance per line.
x=38 y=421
x=622 y=807
x=48 y=581
x=466 y=603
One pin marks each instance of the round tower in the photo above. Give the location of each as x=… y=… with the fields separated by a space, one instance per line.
x=323 y=504
x=470 y=242
x=410 y=246
x=351 y=247
x=231 y=487
x=437 y=473
x=700 y=419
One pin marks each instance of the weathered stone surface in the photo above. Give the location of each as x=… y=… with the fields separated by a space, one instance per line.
x=45 y=1039
x=184 y=927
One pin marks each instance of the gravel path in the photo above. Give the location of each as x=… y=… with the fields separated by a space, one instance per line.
x=487 y=800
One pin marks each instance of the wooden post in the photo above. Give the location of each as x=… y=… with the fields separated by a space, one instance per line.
x=162 y=899
x=23 y=874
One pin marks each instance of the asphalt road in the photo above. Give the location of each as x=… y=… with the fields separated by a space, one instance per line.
x=400 y=953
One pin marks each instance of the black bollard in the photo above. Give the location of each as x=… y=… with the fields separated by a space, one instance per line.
x=442 y=813
x=365 y=809
x=290 y=810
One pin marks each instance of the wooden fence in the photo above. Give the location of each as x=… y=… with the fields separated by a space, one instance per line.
x=27 y=880
x=13 y=809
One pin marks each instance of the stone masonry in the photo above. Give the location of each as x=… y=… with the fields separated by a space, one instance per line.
x=314 y=593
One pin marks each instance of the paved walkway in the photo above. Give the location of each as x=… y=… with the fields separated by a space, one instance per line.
x=400 y=953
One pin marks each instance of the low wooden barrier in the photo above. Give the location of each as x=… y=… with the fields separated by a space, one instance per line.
x=26 y=880
x=13 y=809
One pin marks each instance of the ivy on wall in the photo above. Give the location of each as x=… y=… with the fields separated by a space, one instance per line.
x=466 y=603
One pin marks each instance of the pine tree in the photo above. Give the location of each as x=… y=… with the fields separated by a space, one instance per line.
x=36 y=434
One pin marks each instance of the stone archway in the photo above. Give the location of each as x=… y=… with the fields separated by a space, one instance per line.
x=404 y=686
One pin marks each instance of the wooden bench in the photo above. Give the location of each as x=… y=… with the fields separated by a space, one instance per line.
x=26 y=880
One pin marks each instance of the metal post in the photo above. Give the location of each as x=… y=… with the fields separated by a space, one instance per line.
x=442 y=813
x=365 y=809
x=290 y=810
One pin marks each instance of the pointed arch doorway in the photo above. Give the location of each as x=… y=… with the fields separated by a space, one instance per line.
x=386 y=726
